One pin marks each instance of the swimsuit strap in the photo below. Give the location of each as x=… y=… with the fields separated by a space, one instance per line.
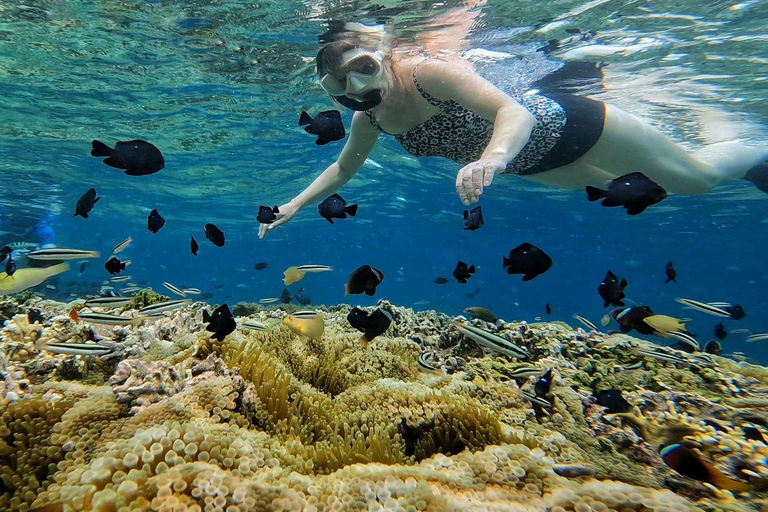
x=424 y=94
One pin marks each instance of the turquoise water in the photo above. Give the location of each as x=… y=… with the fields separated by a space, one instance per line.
x=218 y=87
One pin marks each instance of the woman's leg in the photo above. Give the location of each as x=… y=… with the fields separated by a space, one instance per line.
x=628 y=144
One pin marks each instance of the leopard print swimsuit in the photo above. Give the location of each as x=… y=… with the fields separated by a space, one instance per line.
x=462 y=135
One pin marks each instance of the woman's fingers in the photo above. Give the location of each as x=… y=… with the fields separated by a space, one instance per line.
x=263 y=228
x=469 y=182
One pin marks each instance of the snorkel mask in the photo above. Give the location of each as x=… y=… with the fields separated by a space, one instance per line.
x=362 y=72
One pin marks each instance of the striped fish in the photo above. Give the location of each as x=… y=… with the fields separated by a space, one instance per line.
x=61 y=254
x=76 y=349
x=305 y=314
x=253 y=324
x=524 y=372
x=663 y=356
x=104 y=318
x=108 y=302
x=131 y=289
x=191 y=291
x=684 y=337
x=174 y=289
x=162 y=307
x=120 y=279
x=635 y=366
x=758 y=336
x=740 y=331
x=704 y=307
x=586 y=322
x=424 y=364
x=491 y=341
x=269 y=300
x=537 y=400
x=122 y=245
x=313 y=268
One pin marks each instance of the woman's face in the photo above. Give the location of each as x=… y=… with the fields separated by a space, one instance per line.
x=356 y=84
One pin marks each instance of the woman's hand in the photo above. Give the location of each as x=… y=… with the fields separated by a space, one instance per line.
x=286 y=213
x=472 y=178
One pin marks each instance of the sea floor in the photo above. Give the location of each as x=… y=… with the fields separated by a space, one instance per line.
x=267 y=420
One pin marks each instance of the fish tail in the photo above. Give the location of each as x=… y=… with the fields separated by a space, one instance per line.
x=304 y=118
x=351 y=209
x=364 y=342
x=471 y=269
x=73 y=315
x=623 y=284
x=594 y=194
x=725 y=482
x=98 y=148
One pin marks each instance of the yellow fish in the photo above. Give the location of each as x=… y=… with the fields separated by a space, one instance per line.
x=292 y=275
x=664 y=324
x=28 y=277
x=306 y=323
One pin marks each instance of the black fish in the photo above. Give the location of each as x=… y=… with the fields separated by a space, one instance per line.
x=549 y=308
x=371 y=325
x=137 y=157
x=720 y=332
x=688 y=463
x=220 y=322
x=671 y=273
x=214 y=234
x=10 y=267
x=462 y=272
x=473 y=219
x=267 y=215
x=4 y=252
x=114 y=265
x=527 y=259
x=737 y=312
x=634 y=191
x=335 y=207
x=260 y=265
x=612 y=400
x=440 y=280
x=155 y=221
x=611 y=290
x=193 y=245
x=85 y=203
x=326 y=125
x=543 y=385
x=82 y=266
x=632 y=318
x=304 y=300
x=363 y=280
x=713 y=347
x=285 y=297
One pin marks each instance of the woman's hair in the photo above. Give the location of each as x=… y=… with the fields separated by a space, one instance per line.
x=342 y=37
x=330 y=57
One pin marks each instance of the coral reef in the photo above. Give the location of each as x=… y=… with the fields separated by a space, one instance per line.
x=266 y=420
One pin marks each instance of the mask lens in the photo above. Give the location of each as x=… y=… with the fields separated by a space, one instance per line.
x=364 y=65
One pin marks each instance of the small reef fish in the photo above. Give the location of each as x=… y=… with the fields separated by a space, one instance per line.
x=548 y=308
x=253 y=324
x=10 y=267
x=335 y=207
x=75 y=349
x=473 y=219
x=83 y=266
x=758 y=336
x=663 y=324
x=523 y=372
x=190 y=291
x=440 y=280
x=174 y=289
x=306 y=323
x=364 y=279
x=586 y=322
x=371 y=325
x=543 y=385
x=612 y=400
x=220 y=322
x=155 y=221
x=424 y=362
x=285 y=297
x=193 y=245
x=688 y=463
x=314 y=269
x=703 y=307
x=573 y=470
x=635 y=366
x=481 y=314
x=86 y=203
x=120 y=279
x=28 y=277
x=492 y=342
x=739 y=356
x=267 y=215
x=104 y=318
x=527 y=259
x=261 y=265
x=632 y=318
x=684 y=337
x=662 y=356
x=162 y=307
x=537 y=400
x=713 y=347
x=720 y=332
x=5 y=252
x=122 y=246
x=269 y=300
x=304 y=300
x=611 y=290
x=605 y=320
x=115 y=266
x=671 y=273
x=136 y=157
x=740 y=331
x=292 y=275
x=634 y=191
x=462 y=272
x=61 y=254
x=131 y=289
x=214 y=235
x=327 y=125
x=108 y=302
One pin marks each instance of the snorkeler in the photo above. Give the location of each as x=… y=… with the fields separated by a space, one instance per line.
x=436 y=107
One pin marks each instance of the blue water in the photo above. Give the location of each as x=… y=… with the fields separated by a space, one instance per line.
x=219 y=88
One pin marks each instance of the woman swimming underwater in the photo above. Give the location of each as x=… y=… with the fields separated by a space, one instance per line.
x=436 y=107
